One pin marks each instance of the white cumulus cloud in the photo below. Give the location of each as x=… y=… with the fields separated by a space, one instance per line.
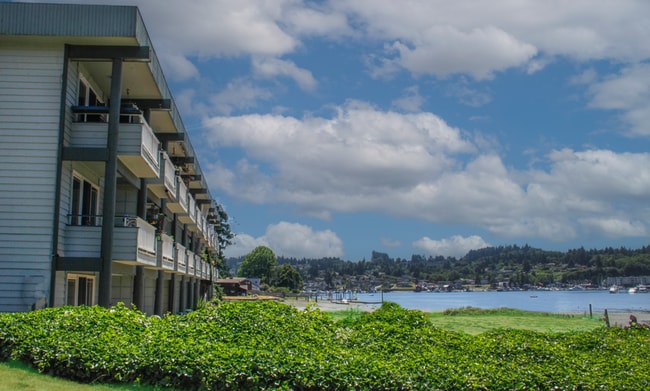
x=290 y=240
x=455 y=246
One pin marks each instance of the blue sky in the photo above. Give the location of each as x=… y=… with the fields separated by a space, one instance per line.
x=334 y=128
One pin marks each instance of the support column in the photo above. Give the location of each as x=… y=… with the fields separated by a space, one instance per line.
x=138 y=279
x=110 y=184
x=160 y=286
x=182 y=298
x=197 y=293
x=138 y=288
x=171 y=299
x=190 y=293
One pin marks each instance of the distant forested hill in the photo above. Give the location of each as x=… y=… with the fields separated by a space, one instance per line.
x=519 y=264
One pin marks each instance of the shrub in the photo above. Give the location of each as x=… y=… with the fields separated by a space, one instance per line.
x=269 y=345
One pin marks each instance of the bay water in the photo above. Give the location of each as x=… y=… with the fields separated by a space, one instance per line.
x=539 y=301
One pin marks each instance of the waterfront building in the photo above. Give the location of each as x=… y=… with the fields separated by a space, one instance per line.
x=102 y=198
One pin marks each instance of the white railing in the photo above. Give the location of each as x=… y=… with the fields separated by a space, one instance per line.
x=146 y=237
x=199 y=265
x=191 y=208
x=182 y=195
x=170 y=174
x=215 y=274
x=150 y=143
x=200 y=221
x=191 y=263
x=181 y=258
x=167 y=251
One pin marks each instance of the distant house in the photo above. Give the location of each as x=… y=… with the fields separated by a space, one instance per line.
x=235 y=286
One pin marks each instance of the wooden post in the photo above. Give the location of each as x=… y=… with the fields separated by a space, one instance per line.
x=606 y=318
x=591 y=315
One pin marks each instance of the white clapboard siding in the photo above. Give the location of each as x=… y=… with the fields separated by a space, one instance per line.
x=30 y=90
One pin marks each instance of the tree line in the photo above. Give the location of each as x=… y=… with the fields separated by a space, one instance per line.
x=520 y=265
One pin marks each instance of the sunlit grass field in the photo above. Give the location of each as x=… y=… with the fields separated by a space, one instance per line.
x=475 y=321
x=18 y=376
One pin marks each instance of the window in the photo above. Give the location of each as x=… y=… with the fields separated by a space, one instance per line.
x=84 y=201
x=80 y=290
x=88 y=97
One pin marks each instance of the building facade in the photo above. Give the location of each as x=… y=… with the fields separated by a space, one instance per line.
x=102 y=198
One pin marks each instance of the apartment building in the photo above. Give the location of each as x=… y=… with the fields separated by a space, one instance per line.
x=102 y=198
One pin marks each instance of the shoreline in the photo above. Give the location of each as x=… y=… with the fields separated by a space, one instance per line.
x=616 y=318
x=330 y=306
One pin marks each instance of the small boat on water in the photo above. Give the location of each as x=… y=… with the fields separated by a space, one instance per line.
x=613 y=289
x=634 y=289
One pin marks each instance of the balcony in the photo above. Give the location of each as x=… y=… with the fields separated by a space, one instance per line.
x=181 y=259
x=165 y=185
x=200 y=265
x=167 y=248
x=189 y=219
x=137 y=147
x=82 y=240
x=135 y=244
x=215 y=274
x=191 y=263
x=179 y=203
x=134 y=241
x=205 y=270
x=213 y=243
x=199 y=222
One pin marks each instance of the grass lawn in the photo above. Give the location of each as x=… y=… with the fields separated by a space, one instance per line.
x=18 y=376
x=475 y=321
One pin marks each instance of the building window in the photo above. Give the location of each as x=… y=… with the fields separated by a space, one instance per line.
x=80 y=290
x=85 y=199
x=88 y=97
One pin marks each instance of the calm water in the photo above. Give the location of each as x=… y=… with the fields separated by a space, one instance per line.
x=543 y=301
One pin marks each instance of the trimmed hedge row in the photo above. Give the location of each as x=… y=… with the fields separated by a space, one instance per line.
x=268 y=345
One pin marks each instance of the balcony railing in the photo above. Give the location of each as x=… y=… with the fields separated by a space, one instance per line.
x=142 y=161
x=134 y=241
x=167 y=247
x=84 y=219
x=191 y=264
x=215 y=274
x=179 y=203
x=164 y=186
x=190 y=218
x=135 y=245
x=199 y=266
x=137 y=147
x=181 y=258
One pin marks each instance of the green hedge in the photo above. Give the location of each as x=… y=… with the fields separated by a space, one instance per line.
x=268 y=345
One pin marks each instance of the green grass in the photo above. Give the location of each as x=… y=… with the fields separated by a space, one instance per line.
x=18 y=376
x=476 y=321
